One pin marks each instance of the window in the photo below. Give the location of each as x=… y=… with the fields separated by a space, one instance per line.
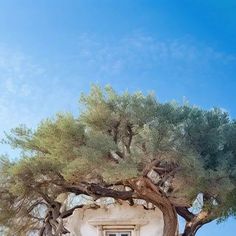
x=114 y=227
x=118 y=233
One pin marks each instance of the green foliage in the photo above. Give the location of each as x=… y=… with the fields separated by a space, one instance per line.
x=125 y=170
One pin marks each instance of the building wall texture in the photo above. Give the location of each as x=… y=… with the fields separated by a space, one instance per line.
x=93 y=222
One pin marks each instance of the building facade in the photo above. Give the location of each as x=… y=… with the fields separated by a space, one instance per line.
x=117 y=219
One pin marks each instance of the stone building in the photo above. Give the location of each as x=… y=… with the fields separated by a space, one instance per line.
x=116 y=219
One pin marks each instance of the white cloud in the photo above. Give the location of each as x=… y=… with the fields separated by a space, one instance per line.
x=29 y=93
x=18 y=74
x=17 y=71
x=137 y=50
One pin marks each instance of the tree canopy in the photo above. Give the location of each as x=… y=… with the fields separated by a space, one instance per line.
x=165 y=153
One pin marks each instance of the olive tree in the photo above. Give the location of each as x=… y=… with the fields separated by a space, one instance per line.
x=125 y=146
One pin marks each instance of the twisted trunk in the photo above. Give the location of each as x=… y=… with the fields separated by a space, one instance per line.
x=146 y=190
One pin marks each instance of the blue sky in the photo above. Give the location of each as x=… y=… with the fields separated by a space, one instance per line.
x=51 y=51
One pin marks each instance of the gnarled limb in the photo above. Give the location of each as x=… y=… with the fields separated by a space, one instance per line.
x=185 y=213
x=192 y=226
x=98 y=191
x=146 y=190
x=195 y=221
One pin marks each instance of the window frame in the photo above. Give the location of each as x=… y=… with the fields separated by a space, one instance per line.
x=104 y=225
x=117 y=232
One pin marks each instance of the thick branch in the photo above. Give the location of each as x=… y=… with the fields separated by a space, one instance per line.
x=99 y=191
x=69 y=212
x=107 y=192
x=146 y=190
x=185 y=213
x=148 y=167
x=197 y=222
x=130 y=137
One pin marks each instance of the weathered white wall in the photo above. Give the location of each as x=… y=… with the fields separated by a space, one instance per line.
x=78 y=224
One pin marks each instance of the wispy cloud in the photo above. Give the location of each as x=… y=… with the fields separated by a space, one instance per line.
x=17 y=72
x=137 y=50
x=30 y=91
x=17 y=78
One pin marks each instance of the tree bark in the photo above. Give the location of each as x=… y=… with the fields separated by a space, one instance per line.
x=146 y=190
x=192 y=226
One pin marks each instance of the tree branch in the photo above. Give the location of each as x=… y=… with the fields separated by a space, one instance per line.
x=185 y=213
